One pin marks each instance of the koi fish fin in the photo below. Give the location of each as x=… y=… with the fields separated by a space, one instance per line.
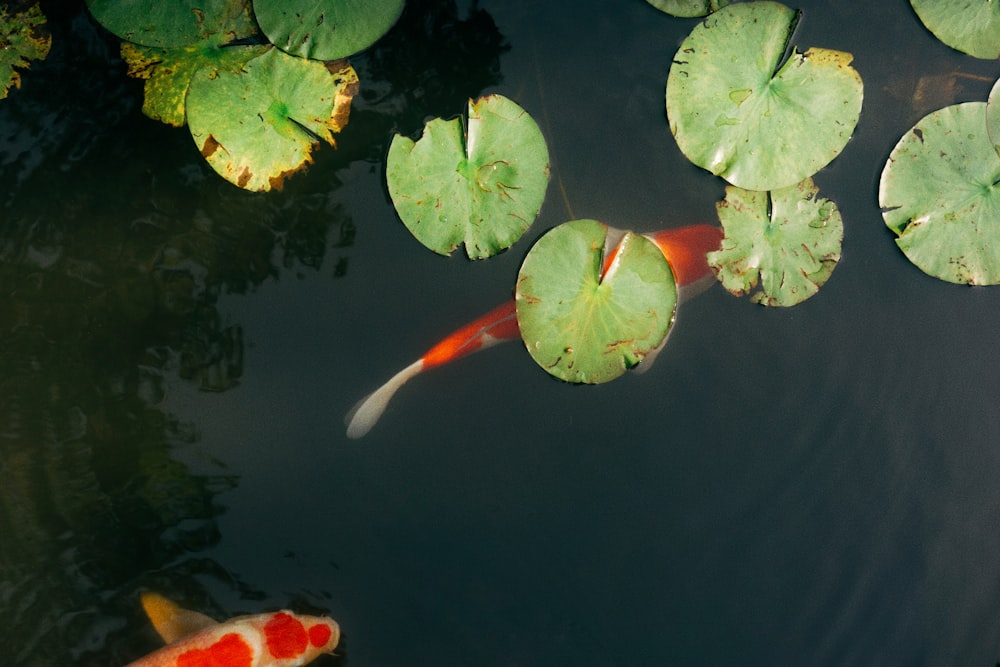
x=367 y=411
x=172 y=622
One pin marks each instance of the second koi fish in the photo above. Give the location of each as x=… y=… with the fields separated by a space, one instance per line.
x=685 y=248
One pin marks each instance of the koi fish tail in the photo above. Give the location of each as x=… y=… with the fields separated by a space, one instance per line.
x=367 y=411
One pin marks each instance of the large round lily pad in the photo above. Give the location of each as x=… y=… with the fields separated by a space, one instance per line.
x=585 y=324
x=482 y=186
x=742 y=114
x=781 y=245
x=940 y=193
x=688 y=8
x=325 y=29
x=259 y=125
x=167 y=23
x=969 y=26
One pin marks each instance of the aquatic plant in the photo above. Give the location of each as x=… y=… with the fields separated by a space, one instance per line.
x=23 y=38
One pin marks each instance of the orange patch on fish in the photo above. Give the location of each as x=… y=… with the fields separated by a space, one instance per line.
x=230 y=651
x=286 y=637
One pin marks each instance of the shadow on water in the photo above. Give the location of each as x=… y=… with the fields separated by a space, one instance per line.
x=116 y=243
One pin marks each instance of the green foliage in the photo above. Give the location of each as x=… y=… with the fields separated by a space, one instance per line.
x=689 y=8
x=326 y=29
x=583 y=323
x=969 y=26
x=481 y=185
x=739 y=112
x=173 y=24
x=22 y=38
x=784 y=244
x=290 y=104
x=940 y=195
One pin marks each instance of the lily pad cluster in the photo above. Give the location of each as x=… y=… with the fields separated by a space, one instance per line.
x=23 y=38
x=257 y=100
x=746 y=105
x=940 y=193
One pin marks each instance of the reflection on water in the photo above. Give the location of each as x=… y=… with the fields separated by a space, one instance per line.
x=811 y=486
x=116 y=244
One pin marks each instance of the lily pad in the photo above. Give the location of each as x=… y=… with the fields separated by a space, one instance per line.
x=993 y=116
x=781 y=245
x=326 y=29
x=969 y=26
x=167 y=24
x=584 y=324
x=259 y=125
x=689 y=8
x=738 y=111
x=482 y=186
x=168 y=72
x=23 y=37
x=940 y=194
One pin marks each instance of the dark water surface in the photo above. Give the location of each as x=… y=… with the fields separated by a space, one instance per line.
x=816 y=485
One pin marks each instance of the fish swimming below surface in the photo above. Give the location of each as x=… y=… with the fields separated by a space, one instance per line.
x=685 y=248
x=280 y=639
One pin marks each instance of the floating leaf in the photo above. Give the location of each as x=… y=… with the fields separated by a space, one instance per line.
x=740 y=113
x=258 y=126
x=689 y=8
x=482 y=187
x=940 y=194
x=582 y=324
x=22 y=38
x=993 y=116
x=168 y=23
x=784 y=243
x=168 y=72
x=969 y=26
x=326 y=29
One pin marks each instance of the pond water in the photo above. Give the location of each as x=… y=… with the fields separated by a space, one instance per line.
x=814 y=485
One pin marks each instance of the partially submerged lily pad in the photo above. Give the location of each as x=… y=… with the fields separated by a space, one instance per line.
x=481 y=186
x=940 y=194
x=582 y=323
x=167 y=23
x=689 y=8
x=259 y=125
x=741 y=113
x=326 y=29
x=23 y=37
x=969 y=26
x=781 y=246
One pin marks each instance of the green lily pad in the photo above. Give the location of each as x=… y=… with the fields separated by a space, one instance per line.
x=736 y=110
x=259 y=125
x=993 y=116
x=969 y=26
x=784 y=244
x=326 y=29
x=582 y=324
x=23 y=38
x=167 y=24
x=168 y=72
x=689 y=8
x=940 y=194
x=482 y=186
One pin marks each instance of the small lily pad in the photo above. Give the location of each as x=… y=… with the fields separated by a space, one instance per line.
x=689 y=8
x=326 y=29
x=969 y=26
x=784 y=244
x=23 y=37
x=259 y=125
x=167 y=23
x=940 y=194
x=736 y=110
x=482 y=186
x=584 y=324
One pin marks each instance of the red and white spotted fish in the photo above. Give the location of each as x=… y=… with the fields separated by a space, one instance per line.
x=685 y=249
x=280 y=639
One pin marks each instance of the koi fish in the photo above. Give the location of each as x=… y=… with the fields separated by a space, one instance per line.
x=685 y=249
x=281 y=639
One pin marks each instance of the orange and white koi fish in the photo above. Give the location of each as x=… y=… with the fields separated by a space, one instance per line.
x=685 y=249
x=281 y=639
